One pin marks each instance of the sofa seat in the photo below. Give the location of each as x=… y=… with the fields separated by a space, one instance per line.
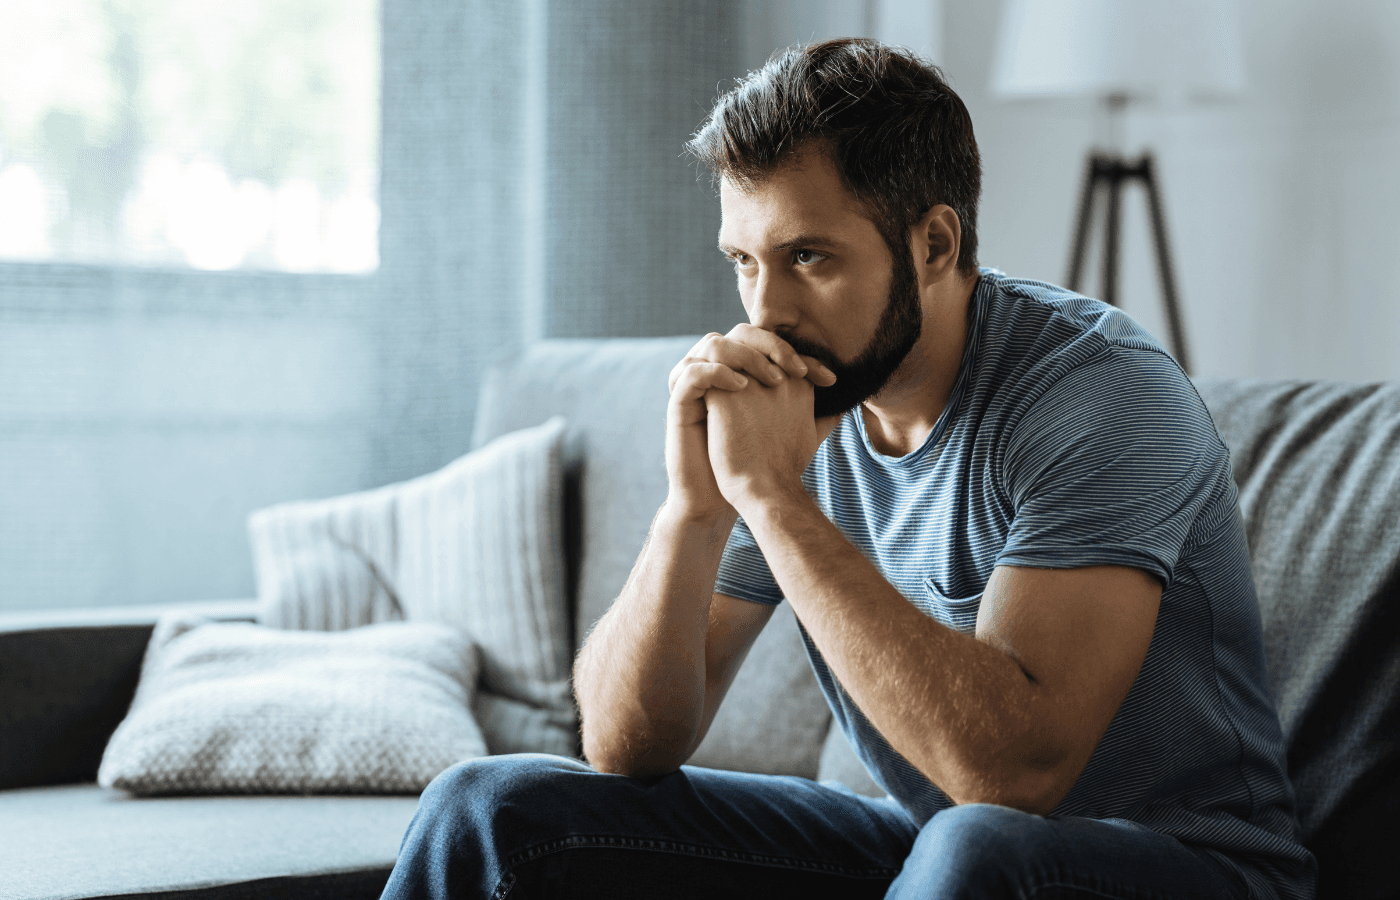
x=80 y=840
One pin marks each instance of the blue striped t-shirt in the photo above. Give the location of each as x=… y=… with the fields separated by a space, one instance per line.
x=1072 y=439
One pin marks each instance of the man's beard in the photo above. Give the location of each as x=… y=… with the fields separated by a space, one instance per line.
x=895 y=335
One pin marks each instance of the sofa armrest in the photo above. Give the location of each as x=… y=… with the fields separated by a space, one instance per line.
x=66 y=680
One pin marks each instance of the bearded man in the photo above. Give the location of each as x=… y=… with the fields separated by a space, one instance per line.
x=1007 y=528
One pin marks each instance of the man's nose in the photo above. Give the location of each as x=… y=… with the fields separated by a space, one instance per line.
x=772 y=303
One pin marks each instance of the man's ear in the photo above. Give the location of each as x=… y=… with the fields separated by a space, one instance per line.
x=937 y=239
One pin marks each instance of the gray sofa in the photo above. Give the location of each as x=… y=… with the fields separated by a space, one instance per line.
x=1319 y=469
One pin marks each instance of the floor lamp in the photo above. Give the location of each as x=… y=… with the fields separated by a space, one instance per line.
x=1120 y=52
x=1106 y=175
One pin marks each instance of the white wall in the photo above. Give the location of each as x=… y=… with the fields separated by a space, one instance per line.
x=1283 y=209
x=771 y=24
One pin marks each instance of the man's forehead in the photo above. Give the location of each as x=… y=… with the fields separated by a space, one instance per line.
x=793 y=202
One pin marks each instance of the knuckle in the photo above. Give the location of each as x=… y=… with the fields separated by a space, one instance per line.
x=687 y=376
x=699 y=348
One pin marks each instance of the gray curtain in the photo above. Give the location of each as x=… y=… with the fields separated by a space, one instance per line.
x=631 y=230
x=534 y=186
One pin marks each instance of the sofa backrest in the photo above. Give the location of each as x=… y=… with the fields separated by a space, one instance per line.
x=613 y=394
x=1318 y=467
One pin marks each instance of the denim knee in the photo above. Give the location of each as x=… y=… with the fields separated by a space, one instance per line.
x=980 y=832
x=472 y=795
x=497 y=777
x=979 y=850
x=471 y=819
x=973 y=850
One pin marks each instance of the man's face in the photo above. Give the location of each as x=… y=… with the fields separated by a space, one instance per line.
x=895 y=335
x=814 y=270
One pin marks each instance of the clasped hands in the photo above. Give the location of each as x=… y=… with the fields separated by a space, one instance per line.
x=740 y=426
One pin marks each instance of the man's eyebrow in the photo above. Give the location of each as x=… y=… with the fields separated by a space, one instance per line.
x=800 y=242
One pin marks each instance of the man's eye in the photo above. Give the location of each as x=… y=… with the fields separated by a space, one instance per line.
x=807 y=257
x=740 y=261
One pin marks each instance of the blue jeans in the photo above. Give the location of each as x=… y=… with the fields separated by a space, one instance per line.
x=531 y=826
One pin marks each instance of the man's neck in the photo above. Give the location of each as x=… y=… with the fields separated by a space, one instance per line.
x=900 y=418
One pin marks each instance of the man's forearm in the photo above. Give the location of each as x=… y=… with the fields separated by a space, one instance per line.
x=959 y=710
x=641 y=677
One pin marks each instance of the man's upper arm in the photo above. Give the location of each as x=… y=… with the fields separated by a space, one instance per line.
x=1110 y=474
x=734 y=626
x=1080 y=636
x=1113 y=465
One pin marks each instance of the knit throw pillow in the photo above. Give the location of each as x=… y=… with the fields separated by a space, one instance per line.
x=477 y=545
x=240 y=708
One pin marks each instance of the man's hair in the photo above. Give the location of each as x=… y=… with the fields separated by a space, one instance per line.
x=898 y=135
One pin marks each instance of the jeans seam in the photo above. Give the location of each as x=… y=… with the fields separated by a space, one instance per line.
x=699 y=850
x=503 y=889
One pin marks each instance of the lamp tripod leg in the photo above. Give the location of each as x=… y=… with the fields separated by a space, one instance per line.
x=1083 y=223
x=1164 y=265
x=1110 y=236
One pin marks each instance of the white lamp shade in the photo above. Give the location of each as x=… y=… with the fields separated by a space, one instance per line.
x=1167 y=50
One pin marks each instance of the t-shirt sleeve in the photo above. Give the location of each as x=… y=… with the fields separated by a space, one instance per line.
x=743 y=572
x=1114 y=464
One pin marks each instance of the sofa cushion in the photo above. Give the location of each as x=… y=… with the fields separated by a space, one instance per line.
x=477 y=545
x=324 y=564
x=1318 y=465
x=241 y=708
x=86 y=841
x=481 y=548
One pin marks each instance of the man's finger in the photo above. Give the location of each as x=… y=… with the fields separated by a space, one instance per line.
x=737 y=355
x=695 y=353
x=698 y=376
x=771 y=346
x=704 y=352
x=818 y=373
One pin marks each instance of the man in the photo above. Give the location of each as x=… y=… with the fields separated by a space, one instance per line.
x=1003 y=519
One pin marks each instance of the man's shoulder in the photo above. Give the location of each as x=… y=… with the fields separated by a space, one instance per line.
x=1034 y=337
x=1028 y=322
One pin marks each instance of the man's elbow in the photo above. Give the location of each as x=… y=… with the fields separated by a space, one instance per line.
x=637 y=753
x=613 y=760
x=1035 y=787
x=1033 y=802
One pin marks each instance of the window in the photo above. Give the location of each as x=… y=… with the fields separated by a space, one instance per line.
x=148 y=403
x=191 y=134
